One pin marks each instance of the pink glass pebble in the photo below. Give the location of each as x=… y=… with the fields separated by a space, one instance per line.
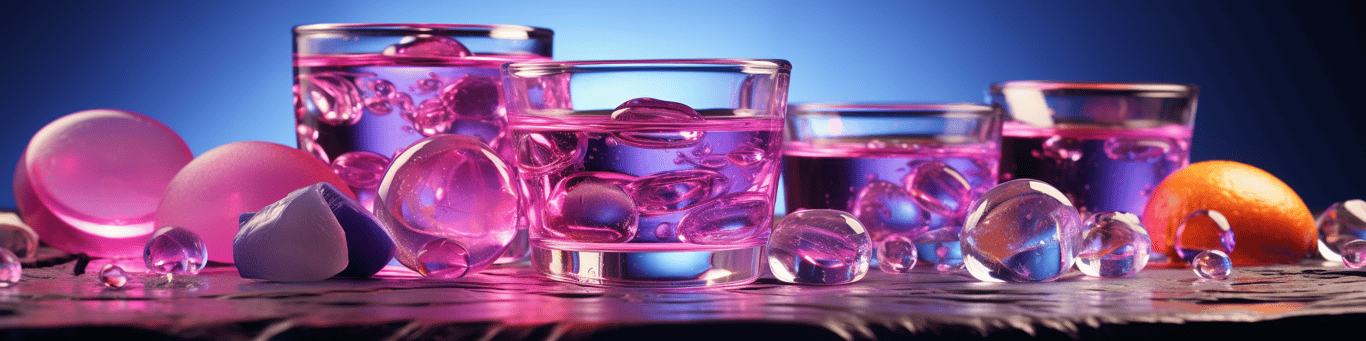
x=176 y=251
x=897 y=254
x=819 y=247
x=452 y=190
x=1354 y=254
x=89 y=182
x=1341 y=223
x=113 y=276
x=211 y=192
x=11 y=271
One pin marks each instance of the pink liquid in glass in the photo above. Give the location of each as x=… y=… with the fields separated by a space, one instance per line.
x=1099 y=169
x=671 y=198
x=918 y=191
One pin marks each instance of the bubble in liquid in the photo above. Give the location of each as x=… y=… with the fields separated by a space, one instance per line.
x=652 y=111
x=885 y=208
x=939 y=188
x=11 y=271
x=443 y=258
x=17 y=236
x=383 y=88
x=1212 y=264
x=670 y=192
x=1354 y=254
x=1203 y=230
x=1131 y=149
x=427 y=45
x=896 y=254
x=472 y=96
x=332 y=98
x=361 y=169
x=1061 y=148
x=1340 y=224
x=819 y=247
x=431 y=118
x=1115 y=244
x=593 y=212
x=540 y=153
x=449 y=186
x=732 y=219
x=745 y=156
x=174 y=250
x=113 y=276
x=1022 y=230
x=404 y=102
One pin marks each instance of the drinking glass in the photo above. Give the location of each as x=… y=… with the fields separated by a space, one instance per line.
x=365 y=92
x=903 y=169
x=651 y=173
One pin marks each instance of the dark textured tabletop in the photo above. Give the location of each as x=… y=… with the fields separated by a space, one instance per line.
x=514 y=303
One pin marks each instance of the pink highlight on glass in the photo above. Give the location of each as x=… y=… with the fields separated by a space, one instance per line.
x=89 y=182
x=214 y=189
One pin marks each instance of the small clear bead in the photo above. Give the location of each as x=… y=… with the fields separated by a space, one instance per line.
x=175 y=251
x=1354 y=254
x=1212 y=264
x=113 y=276
x=819 y=247
x=10 y=269
x=896 y=255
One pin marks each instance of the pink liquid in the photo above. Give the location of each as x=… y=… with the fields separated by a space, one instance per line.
x=919 y=191
x=357 y=112
x=1099 y=169
x=594 y=184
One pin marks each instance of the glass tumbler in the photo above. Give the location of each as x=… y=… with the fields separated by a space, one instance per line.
x=365 y=92
x=905 y=170
x=1104 y=145
x=649 y=173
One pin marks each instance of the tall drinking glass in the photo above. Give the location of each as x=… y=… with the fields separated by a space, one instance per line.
x=1104 y=145
x=653 y=173
x=906 y=171
x=364 y=92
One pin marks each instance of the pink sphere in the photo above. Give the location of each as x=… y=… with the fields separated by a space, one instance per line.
x=209 y=194
x=89 y=182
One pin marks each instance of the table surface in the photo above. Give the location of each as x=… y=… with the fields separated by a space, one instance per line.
x=512 y=302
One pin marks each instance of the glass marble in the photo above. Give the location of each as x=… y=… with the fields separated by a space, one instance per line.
x=443 y=258
x=113 y=276
x=1203 y=230
x=17 y=236
x=1340 y=224
x=1212 y=264
x=10 y=269
x=448 y=187
x=176 y=251
x=211 y=192
x=1354 y=254
x=896 y=254
x=1022 y=230
x=819 y=247
x=90 y=182
x=1115 y=244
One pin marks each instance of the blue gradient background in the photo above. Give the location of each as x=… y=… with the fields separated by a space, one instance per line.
x=1279 y=81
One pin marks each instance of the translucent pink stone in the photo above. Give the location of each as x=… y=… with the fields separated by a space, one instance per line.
x=113 y=276
x=453 y=189
x=10 y=269
x=211 y=192
x=89 y=182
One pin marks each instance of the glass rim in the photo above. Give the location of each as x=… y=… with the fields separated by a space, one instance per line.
x=832 y=108
x=1097 y=86
x=749 y=66
x=517 y=32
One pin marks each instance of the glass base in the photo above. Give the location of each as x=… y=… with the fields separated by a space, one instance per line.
x=662 y=268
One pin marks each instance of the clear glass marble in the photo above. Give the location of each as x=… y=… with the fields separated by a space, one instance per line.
x=1115 y=244
x=175 y=251
x=1212 y=264
x=1022 y=230
x=113 y=276
x=10 y=269
x=819 y=247
x=1203 y=230
x=1354 y=254
x=1340 y=224
x=896 y=254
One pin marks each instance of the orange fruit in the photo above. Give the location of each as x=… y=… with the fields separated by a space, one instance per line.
x=1270 y=222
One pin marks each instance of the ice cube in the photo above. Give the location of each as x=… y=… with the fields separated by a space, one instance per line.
x=1022 y=230
x=819 y=247
x=665 y=123
x=733 y=219
x=427 y=45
